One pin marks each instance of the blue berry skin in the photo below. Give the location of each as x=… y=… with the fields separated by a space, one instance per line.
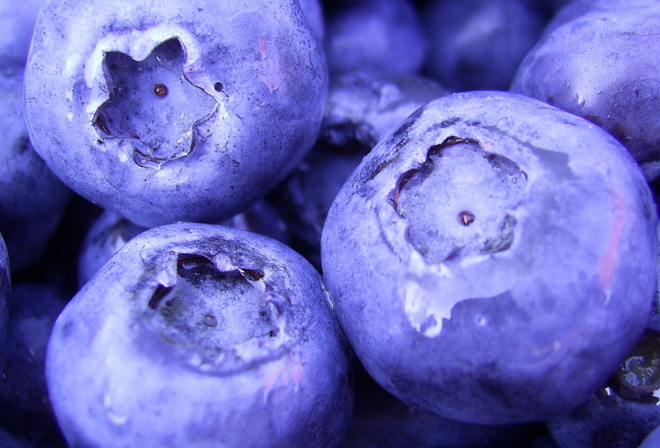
x=493 y=259
x=186 y=112
x=110 y=232
x=380 y=420
x=32 y=198
x=374 y=35
x=8 y=440
x=196 y=335
x=624 y=412
x=105 y=237
x=478 y=44
x=5 y=289
x=575 y=9
x=17 y=22
x=361 y=108
x=25 y=406
x=313 y=11
x=652 y=440
x=592 y=66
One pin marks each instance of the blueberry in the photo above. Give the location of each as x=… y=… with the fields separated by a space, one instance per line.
x=487 y=264
x=652 y=440
x=380 y=420
x=361 y=108
x=32 y=198
x=313 y=11
x=624 y=412
x=575 y=9
x=106 y=236
x=25 y=406
x=17 y=22
x=200 y=335
x=187 y=112
x=478 y=44
x=8 y=440
x=374 y=35
x=110 y=232
x=592 y=66
x=5 y=289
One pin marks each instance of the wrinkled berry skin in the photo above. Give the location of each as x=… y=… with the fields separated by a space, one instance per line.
x=592 y=66
x=188 y=112
x=361 y=108
x=110 y=232
x=32 y=198
x=195 y=335
x=508 y=290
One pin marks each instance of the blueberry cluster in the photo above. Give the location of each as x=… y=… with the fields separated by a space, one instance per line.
x=316 y=223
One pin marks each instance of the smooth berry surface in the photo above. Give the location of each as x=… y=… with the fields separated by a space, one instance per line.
x=624 y=412
x=592 y=67
x=5 y=289
x=374 y=35
x=17 y=20
x=139 y=109
x=478 y=44
x=197 y=335
x=25 y=406
x=487 y=264
x=32 y=198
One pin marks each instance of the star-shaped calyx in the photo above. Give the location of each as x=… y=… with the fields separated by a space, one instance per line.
x=152 y=104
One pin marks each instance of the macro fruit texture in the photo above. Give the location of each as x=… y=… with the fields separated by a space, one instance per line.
x=138 y=108
x=32 y=198
x=24 y=404
x=197 y=335
x=592 y=66
x=110 y=232
x=478 y=44
x=652 y=440
x=374 y=35
x=622 y=414
x=493 y=259
x=16 y=22
x=361 y=108
x=5 y=289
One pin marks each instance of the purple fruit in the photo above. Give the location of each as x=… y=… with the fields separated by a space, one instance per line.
x=32 y=198
x=361 y=108
x=24 y=404
x=493 y=259
x=17 y=22
x=5 y=290
x=593 y=67
x=186 y=112
x=374 y=35
x=110 y=232
x=625 y=411
x=196 y=335
x=478 y=44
